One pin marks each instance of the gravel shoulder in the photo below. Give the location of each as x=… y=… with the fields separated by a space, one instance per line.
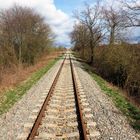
x=112 y=124
x=12 y=122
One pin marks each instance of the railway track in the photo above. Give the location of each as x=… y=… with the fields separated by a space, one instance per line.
x=64 y=112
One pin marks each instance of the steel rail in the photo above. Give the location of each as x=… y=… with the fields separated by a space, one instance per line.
x=35 y=127
x=83 y=127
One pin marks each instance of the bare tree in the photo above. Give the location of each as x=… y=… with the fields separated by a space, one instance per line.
x=114 y=21
x=79 y=37
x=90 y=18
x=132 y=12
x=25 y=32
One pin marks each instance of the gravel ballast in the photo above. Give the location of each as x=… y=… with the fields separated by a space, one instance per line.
x=112 y=124
x=12 y=122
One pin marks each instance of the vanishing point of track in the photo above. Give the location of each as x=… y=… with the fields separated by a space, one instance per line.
x=64 y=113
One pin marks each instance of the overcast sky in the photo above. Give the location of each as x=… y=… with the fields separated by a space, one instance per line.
x=58 y=13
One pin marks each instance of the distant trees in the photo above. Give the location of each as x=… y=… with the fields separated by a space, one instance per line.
x=89 y=18
x=114 y=59
x=101 y=22
x=24 y=35
x=80 y=37
x=114 y=21
x=108 y=21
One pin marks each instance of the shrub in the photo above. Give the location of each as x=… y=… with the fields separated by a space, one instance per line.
x=120 y=65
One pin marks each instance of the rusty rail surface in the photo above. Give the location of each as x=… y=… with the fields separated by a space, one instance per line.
x=81 y=122
x=35 y=127
x=83 y=126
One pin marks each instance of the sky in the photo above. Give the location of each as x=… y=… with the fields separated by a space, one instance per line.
x=57 y=13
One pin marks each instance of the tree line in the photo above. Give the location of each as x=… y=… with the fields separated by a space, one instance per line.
x=99 y=37
x=24 y=36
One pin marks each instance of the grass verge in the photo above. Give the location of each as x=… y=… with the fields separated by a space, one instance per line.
x=13 y=95
x=128 y=109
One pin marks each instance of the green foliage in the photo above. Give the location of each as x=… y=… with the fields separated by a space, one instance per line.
x=15 y=94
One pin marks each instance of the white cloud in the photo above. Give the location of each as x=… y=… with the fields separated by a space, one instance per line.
x=60 y=22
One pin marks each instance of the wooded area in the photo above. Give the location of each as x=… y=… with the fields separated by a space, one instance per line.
x=99 y=36
x=24 y=37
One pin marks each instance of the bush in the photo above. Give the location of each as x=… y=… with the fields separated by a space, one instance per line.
x=120 y=65
x=24 y=35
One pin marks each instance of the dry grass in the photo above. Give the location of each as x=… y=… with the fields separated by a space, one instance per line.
x=12 y=77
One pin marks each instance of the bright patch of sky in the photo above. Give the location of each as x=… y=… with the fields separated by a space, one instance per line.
x=68 y=5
